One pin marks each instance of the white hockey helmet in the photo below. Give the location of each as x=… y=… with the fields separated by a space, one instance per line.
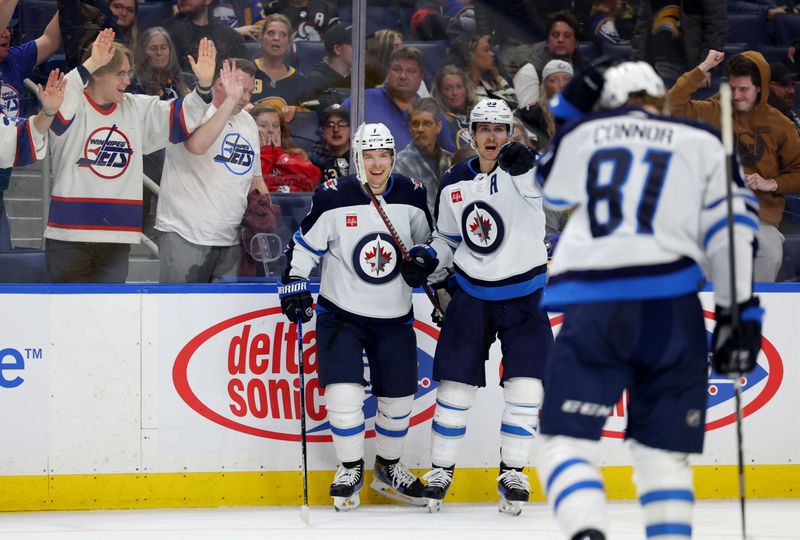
x=370 y=137
x=491 y=111
x=629 y=78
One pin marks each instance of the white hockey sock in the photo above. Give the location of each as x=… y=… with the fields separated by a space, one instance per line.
x=391 y=425
x=572 y=481
x=523 y=396
x=664 y=484
x=453 y=401
x=345 y=403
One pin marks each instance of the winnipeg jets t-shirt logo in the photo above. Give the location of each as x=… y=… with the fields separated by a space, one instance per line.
x=107 y=153
x=375 y=259
x=10 y=103
x=481 y=227
x=236 y=153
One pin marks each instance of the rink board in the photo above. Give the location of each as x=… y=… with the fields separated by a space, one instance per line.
x=169 y=396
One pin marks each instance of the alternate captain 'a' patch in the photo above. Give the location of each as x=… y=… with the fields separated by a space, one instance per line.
x=107 y=153
x=236 y=153
x=481 y=227
x=376 y=259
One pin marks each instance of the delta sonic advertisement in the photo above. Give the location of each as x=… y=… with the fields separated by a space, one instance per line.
x=229 y=386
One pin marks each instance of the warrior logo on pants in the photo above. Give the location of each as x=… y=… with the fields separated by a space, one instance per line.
x=375 y=259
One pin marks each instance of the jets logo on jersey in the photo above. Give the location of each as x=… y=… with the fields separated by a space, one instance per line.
x=481 y=227
x=375 y=259
x=107 y=153
x=417 y=183
x=10 y=96
x=236 y=154
x=331 y=183
x=455 y=196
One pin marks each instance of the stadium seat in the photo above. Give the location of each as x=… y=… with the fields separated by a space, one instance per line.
x=34 y=16
x=304 y=128
x=787 y=28
x=346 y=12
x=309 y=54
x=23 y=265
x=773 y=53
x=432 y=54
x=621 y=50
x=732 y=49
x=747 y=28
x=385 y=17
x=588 y=49
x=152 y=14
x=253 y=49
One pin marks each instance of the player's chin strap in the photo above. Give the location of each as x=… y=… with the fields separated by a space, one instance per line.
x=726 y=125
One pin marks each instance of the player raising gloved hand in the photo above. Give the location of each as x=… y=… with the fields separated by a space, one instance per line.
x=296 y=301
x=421 y=263
x=736 y=350
x=516 y=158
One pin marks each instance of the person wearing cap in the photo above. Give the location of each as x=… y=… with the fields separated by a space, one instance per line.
x=766 y=142
x=332 y=154
x=334 y=70
x=537 y=116
x=782 y=91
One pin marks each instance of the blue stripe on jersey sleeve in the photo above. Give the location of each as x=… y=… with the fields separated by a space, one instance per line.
x=557 y=202
x=60 y=125
x=177 y=126
x=298 y=237
x=723 y=222
x=747 y=196
x=563 y=291
x=26 y=153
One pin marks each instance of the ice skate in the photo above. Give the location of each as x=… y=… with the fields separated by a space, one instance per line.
x=346 y=485
x=393 y=480
x=514 y=489
x=438 y=482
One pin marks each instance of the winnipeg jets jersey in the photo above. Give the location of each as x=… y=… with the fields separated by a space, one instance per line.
x=651 y=214
x=490 y=228
x=97 y=160
x=360 y=260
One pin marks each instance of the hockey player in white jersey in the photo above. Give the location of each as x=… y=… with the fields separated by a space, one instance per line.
x=363 y=307
x=490 y=228
x=651 y=217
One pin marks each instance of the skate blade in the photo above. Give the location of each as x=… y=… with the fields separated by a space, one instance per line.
x=346 y=504
x=512 y=508
x=434 y=505
x=390 y=493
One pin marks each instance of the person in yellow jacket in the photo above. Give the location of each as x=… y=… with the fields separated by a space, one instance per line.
x=766 y=142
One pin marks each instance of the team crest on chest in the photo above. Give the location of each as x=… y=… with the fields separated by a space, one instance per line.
x=236 y=153
x=376 y=259
x=10 y=96
x=107 y=153
x=481 y=227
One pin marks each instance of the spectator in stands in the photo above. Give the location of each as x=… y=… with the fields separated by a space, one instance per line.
x=389 y=104
x=603 y=23
x=125 y=12
x=80 y=22
x=244 y=16
x=286 y=168
x=561 y=44
x=514 y=22
x=424 y=159
x=455 y=94
x=379 y=49
x=192 y=23
x=767 y=143
x=537 y=117
x=97 y=142
x=309 y=19
x=474 y=55
x=332 y=154
x=676 y=37
x=16 y=64
x=334 y=70
x=157 y=73
x=782 y=91
x=275 y=79
x=206 y=182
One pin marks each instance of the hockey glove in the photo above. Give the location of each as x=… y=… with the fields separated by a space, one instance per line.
x=296 y=301
x=420 y=264
x=444 y=292
x=516 y=158
x=737 y=351
x=581 y=93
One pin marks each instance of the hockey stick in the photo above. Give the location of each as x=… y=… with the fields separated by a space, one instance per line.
x=726 y=125
x=403 y=251
x=303 y=441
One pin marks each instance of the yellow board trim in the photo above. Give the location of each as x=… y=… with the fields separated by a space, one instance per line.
x=177 y=490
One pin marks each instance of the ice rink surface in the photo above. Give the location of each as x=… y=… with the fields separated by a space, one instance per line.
x=713 y=520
